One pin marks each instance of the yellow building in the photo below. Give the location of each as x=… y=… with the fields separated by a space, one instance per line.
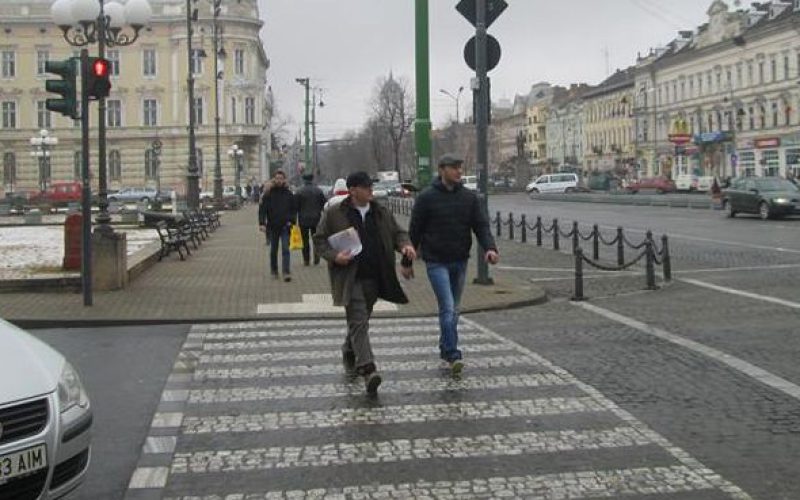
x=148 y=99
x=608 y=125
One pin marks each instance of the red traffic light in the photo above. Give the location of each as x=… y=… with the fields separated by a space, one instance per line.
x=98 y=83
x=100 y=68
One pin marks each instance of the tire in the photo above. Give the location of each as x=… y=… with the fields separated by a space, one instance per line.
x=764 y=211
x=145 y=199
x=728 y=207
x=569 y=190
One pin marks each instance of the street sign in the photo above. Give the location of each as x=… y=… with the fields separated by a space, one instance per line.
x=492 y=52
x=493 y=10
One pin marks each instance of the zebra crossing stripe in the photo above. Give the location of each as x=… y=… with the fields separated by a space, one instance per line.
x=325 y=342
x=399 y=414
x=582 y=484
x=279 y=371
x=258 y=325
x=213 y=359
x=399 y=450
x=214 y=396
x=340 y=332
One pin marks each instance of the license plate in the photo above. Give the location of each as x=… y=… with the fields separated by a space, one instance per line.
x=22 y=462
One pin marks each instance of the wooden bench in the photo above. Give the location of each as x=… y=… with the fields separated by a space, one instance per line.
x=171 y=239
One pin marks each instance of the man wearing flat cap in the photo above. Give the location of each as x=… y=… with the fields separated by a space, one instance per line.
x=310 y=201
x=360 y=278
x=442 y=222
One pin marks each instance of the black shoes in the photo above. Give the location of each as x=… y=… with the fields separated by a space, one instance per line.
x=287 y=278
x=372 y=379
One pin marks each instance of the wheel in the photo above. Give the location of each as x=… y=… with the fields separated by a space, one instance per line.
x=728 y=207
x=145 y=199
x=569 y=190
x=763 y=211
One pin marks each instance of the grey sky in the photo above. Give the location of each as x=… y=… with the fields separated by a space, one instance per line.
x=347 y=45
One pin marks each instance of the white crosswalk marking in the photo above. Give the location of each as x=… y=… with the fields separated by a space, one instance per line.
x=250 y=401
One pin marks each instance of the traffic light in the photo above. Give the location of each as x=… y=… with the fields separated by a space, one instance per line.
x=98 y=84
x=65 y=87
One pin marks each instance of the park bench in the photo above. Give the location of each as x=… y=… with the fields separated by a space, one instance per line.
x=171 y=239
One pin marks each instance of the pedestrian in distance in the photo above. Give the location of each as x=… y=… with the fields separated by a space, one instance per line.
x=276 y=214
x=310 y=200
x=360 y=278
x=444 y=217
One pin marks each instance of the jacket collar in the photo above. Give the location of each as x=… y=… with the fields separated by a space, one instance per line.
x=438 y=184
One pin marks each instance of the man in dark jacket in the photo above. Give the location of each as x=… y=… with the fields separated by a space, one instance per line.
x=276 y=214
x=360 y=278
x=310 y=201
x=444 y=216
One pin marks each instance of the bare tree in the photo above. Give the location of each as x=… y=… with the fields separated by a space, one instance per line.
x=393 y=111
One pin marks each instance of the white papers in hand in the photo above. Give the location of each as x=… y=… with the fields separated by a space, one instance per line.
x=346 y=240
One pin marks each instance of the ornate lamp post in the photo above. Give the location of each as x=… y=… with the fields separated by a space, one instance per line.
x=219 y=53
x=43 y=144
x=237 y=154
x=85 y=22
x=455 y=97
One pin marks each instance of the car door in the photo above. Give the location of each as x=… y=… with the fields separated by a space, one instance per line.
x=544 y=184
x=749 y=196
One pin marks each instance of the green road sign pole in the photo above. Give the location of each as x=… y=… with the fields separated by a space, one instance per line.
x=422 y=124
x=86 y=192
x=481 y=127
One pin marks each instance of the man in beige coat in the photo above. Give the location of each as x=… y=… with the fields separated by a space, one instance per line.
x=359 y=280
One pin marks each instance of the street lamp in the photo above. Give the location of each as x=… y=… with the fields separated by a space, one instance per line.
x=455 y=98
x=236 y=154
x=85 y=22
x=219 y=53
x=315 y=166
x=192 y=175
x=43 y=144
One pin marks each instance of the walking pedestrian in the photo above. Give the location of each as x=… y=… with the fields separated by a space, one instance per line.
x=360 y=278
x=444 y=216
x=276 y=214
x=310 y=201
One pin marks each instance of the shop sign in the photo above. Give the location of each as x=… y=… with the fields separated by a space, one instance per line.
x=771 y=142
x=679 y=138
x=711 y=137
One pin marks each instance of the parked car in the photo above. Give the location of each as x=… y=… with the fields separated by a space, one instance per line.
x=382 y=189
x=470 y=182
x=660 y=185
x=134 y=194
x=769 y=197
x=554 y=183
x=45 y=419
x=57 y=194
x=686 y=182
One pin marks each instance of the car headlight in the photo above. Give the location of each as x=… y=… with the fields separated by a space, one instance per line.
x=70 y=390
x=780 y=201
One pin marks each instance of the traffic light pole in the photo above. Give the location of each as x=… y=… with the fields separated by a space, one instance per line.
x=103 y=219
x=422 y=124
x=481 y=127
x=192 y=177
x=86 y=192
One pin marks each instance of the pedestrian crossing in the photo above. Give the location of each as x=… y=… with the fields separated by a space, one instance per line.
x=265 y=410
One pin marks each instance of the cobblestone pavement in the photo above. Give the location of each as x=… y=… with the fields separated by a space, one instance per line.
x=261 y=410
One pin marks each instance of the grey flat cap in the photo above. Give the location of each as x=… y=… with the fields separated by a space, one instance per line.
x=450 y=159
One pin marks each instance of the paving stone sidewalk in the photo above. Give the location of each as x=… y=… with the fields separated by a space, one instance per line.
x=227 y=278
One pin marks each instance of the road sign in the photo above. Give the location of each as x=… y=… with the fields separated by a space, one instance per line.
x=493 y=10
x=492 y=52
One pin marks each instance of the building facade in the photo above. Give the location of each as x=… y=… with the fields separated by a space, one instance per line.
x=608 y=125
x=148 y=100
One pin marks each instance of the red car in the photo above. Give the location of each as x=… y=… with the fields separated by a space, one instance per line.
x=57 y=194
x=659 y=184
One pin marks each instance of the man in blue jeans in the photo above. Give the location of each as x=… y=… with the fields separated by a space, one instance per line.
x=444 y=217
x=277 y=211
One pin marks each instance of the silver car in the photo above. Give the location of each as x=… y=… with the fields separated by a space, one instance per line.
x=45 y=420
x=133 y=194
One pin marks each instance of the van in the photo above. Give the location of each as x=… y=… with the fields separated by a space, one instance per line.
x=554 y=183
x=470 y=182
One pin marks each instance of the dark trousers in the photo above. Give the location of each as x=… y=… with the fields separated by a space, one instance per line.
x=358 y=311
x=279 y=238
x=308 y=233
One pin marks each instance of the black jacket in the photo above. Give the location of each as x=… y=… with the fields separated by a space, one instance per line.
x=442 y=222
x=277 y=208
x=310 y=201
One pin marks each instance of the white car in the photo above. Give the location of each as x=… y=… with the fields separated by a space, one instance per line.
x=45 y=420
x=553 y=183
x=686 y=182
x=470 y=182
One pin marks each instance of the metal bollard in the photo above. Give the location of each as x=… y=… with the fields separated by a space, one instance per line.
x=511 y=226
x=538 y=231
x=523 y=223
x=650 y=266
x=578 y=292
x=596 y=242
x=575 y=235
x=620 y=247
x=499 y=222
x=555 y=235
x=665 y=261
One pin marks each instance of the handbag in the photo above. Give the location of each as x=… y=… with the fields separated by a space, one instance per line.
x=295 y=238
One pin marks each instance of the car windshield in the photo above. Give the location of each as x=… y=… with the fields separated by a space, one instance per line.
x=775 y=185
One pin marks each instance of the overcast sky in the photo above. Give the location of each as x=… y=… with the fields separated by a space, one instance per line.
x=345 y=46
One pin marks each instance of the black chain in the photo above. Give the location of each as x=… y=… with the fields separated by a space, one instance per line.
x=631 y=245
x=616 y=268
x=605 y=242
x=587 y=237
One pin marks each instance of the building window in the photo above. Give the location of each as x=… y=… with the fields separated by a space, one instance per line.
x=9 y=114
x=113 y=59
x=752 y=116
x=150 y=111
x=773 y=70
x=250 y=111
x=43 y=119
x=196 y=65
x=793 y=161
x=787 y=114
x=785 y=67
x=700 y=85
x=9 y=64
x=774 y=114
x=747 y=161
x=149 y=62
x=233 y=110
x=114 y=165
x=150 y=165
x=749 y=74
x=739 y=82
x=771 y=162
x=42 y=56
x=238 y=56
x=77 y=163
x=761 y=72
x=197 y=110
x=9 y=171
x=113 y=113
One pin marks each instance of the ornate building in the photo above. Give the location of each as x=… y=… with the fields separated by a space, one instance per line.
x=148 y=99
